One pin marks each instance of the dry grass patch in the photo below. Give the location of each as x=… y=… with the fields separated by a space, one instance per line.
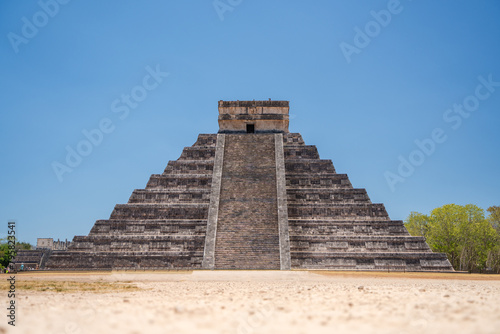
x=419 y=275
x=61 y=286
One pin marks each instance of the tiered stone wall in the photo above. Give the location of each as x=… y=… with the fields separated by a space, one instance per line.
x=334 y=226
x=30 y=259
x=162 y=226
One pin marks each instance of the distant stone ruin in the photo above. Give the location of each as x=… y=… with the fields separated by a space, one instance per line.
x=253 y=196
x=35 y=259
x=50 y=243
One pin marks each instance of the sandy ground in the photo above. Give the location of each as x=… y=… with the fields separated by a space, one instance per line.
x=254 y=302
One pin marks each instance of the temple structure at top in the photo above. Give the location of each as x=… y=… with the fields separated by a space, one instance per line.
x=253 y=116
x=252 y=196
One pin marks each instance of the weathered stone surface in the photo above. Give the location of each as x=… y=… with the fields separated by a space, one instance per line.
x=264 y=116
x=30 y=259
x=161 y=226
x=334 y=226
x=284 y=234
x=247 y=228
x=213 y=210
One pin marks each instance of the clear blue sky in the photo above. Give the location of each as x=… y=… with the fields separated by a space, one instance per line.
x=71 y=71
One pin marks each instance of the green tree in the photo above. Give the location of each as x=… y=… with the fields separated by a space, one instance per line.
x=494 y=217
x=493 y=260
x=443 y=231
x=6 y=254
x=24 y=245
x=477 y=238
x=417 y=224
x=462 y=232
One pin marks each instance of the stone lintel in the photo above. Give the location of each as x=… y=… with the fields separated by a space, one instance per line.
x=253 y=103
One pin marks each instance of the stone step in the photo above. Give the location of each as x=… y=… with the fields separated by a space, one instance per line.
x=301 y=152
x=416 y=261
x=96 y=243
x=25 y=256
x=309 y=166
x=170 y=196
x=197 y=153
x=30 y=259
x=159 y=211
x=189 y=167
x=334 y=181
x=293 y=139
x=316 y=243
x=206 y=140
x=125 y=260
x=328 y=195
x=180 y=182
x=346 y=227
x=339 y=211
x=136 y=238
x=148 y=227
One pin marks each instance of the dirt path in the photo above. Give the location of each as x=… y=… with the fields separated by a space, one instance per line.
x=254 y=302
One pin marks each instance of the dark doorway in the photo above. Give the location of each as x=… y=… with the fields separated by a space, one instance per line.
x=250 y=128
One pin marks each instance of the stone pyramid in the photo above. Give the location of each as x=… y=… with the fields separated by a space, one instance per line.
x=253 y=196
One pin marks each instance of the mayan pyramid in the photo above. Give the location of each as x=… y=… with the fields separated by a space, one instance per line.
x=252 y=196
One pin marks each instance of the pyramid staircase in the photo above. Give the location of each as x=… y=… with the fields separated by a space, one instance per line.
x=247 y=228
